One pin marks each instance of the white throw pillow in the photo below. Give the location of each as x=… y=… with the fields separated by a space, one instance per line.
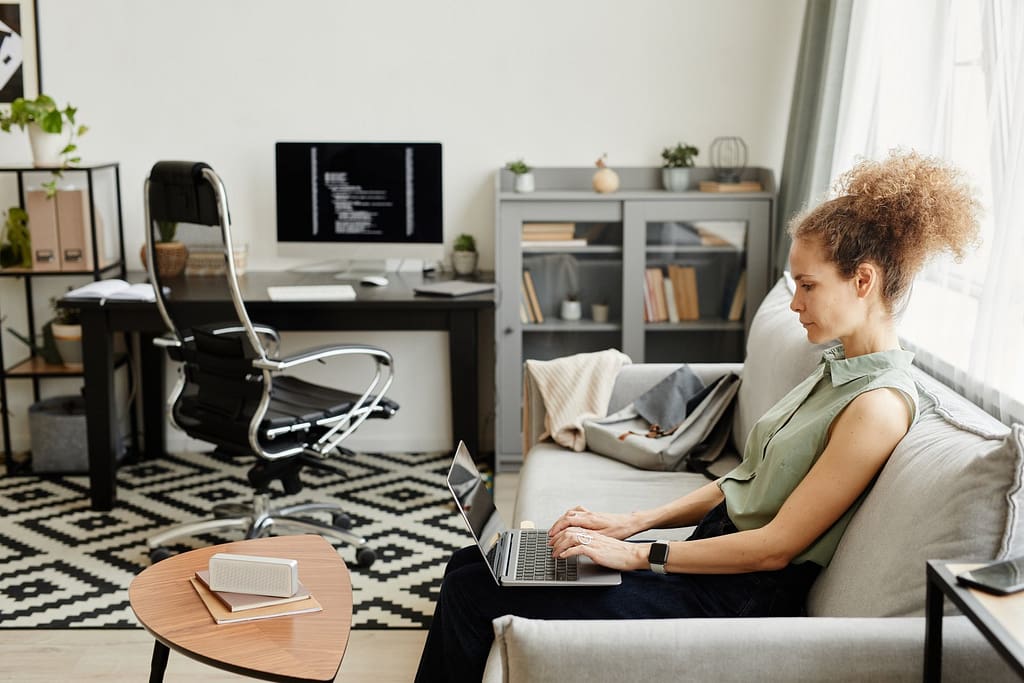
x=778 y=358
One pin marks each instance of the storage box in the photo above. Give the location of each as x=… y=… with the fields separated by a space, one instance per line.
x=57 y=428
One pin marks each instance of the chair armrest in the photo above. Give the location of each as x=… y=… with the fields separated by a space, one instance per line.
x=320 y=353
x=757 y=649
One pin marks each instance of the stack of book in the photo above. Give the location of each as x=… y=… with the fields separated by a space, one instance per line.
x=229 y=608
x=551 y=235
x=670 y=295
x=529 y=304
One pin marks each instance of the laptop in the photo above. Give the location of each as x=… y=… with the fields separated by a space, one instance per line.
x=518 y=557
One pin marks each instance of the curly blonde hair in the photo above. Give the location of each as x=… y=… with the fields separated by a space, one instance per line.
x=895 y=213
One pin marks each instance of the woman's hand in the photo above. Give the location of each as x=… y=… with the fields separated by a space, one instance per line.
x=605 y=551
x=616 y=526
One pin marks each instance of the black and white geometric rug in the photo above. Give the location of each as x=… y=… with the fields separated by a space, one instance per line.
x=62 y=565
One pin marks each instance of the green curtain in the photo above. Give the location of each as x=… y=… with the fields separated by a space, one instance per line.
x=814 y=113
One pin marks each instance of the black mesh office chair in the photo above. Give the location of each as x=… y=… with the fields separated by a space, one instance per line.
x=233 y=390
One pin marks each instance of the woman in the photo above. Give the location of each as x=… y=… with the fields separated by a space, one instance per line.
x=765 y=530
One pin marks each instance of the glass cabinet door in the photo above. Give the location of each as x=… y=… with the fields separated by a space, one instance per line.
x=687 y=298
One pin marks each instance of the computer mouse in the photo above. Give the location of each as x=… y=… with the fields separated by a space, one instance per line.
x=375 y=280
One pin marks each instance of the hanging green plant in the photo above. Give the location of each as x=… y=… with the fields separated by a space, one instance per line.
x=16 y=244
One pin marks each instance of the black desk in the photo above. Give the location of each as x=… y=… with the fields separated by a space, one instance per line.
x=391 y=308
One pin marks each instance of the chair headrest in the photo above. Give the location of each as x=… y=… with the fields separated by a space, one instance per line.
x=179 y=193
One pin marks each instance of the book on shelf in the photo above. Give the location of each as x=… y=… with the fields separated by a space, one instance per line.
x=684 y=289
x=742 y=186
x=222 y=615
x=658 y=290
x=554 y=231
x=112 y=290
x=738 y=299
x=574 y=242
x=239 y=602
x=712 y=239
x=670 y=300
x=531 y=293
x=525 y=309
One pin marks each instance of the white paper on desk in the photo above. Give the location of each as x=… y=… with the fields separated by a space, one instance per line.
x=114 y=289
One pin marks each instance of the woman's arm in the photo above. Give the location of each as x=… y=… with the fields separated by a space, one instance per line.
x=862 y=439
x=684 y=511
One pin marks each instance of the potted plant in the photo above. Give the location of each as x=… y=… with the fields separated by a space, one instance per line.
x=44 y=120
x=171 y=255
x=66 y=328
x=464 y=256
x=523 y=173
x=16 y=245
x=675 y=172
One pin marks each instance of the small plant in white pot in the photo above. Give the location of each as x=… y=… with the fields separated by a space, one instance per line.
x=523 y=173
x=51 y=143
x=67 y=335
x=677 y=162
x=464 y=256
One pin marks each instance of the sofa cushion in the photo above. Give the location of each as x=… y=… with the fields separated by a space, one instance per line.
x=778 y=358
x=951 y=490
x=554 y=479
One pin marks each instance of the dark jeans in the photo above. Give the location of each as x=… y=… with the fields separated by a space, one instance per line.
x=461 y=633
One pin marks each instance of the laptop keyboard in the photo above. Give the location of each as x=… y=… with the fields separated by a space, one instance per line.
x=537 y=564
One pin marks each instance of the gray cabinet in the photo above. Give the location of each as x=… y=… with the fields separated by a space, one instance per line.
x=667 y=265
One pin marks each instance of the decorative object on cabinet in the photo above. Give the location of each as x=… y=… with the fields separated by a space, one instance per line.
x=97 y=208
x=675 y=171
x=464 y=255
x=171 y=255
x=45 y=120
x=697 y=242
x=571 y=308
x=15 y=245
x=524 y=178
x=605 y=179
x=728 y=158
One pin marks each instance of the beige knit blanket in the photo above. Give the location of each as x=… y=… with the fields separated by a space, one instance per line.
x=575 y=388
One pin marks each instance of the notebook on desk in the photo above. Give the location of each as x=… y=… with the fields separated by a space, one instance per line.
x=453 y=288
x=311 y=293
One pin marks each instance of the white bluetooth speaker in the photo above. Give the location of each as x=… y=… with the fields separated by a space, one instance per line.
x=252 y=574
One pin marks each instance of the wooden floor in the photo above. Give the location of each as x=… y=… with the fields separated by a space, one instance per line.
x=35 y=655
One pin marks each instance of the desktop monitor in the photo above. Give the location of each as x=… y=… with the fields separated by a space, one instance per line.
x=363 y=195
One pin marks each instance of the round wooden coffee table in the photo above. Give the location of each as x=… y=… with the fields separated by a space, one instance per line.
x=302 y=647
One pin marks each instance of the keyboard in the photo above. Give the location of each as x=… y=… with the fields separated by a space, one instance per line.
x=311 y=293
x=536 y=563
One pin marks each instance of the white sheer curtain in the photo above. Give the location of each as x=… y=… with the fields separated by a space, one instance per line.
x=946 y=77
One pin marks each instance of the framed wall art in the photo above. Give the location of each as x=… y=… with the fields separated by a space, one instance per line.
x=19 y=51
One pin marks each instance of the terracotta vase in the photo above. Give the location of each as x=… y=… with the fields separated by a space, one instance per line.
x=170 y=258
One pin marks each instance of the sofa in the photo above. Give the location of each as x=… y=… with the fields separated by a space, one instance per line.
x=951 y=490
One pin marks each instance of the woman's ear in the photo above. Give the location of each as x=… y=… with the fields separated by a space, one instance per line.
x=867 y=279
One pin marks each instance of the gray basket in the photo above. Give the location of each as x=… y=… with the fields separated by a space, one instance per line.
x=57 y=428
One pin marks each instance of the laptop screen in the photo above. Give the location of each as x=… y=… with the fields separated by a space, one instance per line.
x=474 y=500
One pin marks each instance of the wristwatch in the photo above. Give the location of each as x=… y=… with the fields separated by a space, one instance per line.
x=658 y=556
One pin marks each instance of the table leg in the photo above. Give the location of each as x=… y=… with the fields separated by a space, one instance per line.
x=465 y=380
x=153 y=396
x=158 y=665
x=100 y=411
x=933 y=632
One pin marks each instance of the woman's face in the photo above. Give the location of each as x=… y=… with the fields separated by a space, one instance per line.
x=826 y=302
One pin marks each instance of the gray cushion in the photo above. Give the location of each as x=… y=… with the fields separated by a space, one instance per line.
x=951 y=490
x=778 y=358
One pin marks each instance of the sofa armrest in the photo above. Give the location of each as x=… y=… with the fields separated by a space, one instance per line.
x=765 y=649
x=632 y=381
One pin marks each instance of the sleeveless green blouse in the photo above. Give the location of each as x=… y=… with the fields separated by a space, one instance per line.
x=786 y=442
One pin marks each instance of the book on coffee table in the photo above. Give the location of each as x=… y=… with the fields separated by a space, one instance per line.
x=222 y=615
x=237 y=602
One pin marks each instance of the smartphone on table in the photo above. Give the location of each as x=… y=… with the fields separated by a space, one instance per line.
x=1000 y=578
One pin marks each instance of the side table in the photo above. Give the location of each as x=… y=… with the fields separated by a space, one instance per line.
x=303 y=647
x=1000 y=618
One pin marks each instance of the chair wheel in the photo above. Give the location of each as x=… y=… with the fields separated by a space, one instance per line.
x=365 y=557
x=341 y=520
x=159 y=553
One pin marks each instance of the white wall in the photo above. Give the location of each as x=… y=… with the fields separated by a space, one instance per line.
x=558 y=83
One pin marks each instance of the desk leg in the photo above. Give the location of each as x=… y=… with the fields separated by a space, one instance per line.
x=463 y=348
x=100 y=411
x=933 y=633
x=158 y=665
x=153 y=396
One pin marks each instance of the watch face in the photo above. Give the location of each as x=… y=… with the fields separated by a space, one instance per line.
x=658 y=553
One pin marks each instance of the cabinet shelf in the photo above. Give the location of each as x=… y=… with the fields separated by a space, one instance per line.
x=16 y=271
x=700 y=244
